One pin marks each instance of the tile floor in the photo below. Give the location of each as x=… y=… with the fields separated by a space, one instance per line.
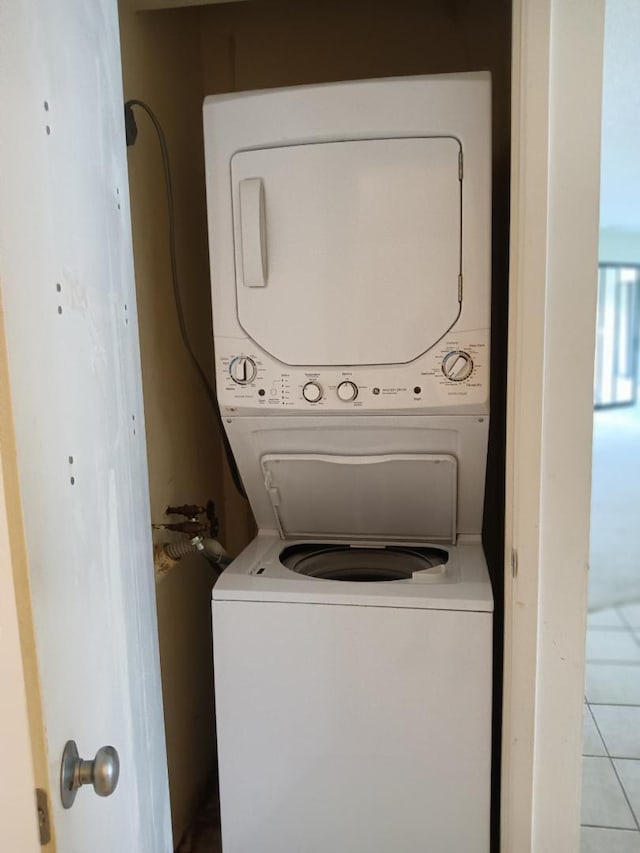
x=615 y=496
x=611 y=771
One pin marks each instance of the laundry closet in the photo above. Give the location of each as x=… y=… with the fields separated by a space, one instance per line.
x=171 y=60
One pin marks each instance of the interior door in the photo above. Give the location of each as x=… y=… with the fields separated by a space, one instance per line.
x=69 y=299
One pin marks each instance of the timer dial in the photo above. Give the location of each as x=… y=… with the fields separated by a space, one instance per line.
x=347 y=391
x=312 y=392
x=243 y=370
x=457 y=365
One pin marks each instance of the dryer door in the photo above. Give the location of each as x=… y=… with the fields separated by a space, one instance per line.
x=348 y=253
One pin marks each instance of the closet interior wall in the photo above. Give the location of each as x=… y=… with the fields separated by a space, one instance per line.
x=172 y=59
x=162 y=67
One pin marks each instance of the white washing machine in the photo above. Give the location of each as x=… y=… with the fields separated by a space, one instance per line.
x=350 y=239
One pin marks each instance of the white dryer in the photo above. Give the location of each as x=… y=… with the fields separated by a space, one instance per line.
x=350 y=240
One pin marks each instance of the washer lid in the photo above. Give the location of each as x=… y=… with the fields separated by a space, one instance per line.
x=404 y=496
x=348 y=252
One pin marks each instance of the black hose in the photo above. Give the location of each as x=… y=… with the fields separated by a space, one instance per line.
x=131 y=135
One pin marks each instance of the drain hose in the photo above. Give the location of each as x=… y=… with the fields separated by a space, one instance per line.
x=209 y=548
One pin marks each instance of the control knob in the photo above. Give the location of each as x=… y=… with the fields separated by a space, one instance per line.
x=312 y=392
x=457 y=365
x=347 y=391
x=243 y=370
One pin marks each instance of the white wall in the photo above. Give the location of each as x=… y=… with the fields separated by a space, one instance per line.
x=557 y=63
x=620 y=175
x=616 y=449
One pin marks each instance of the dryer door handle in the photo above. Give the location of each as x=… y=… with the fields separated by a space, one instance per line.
x=253 y=229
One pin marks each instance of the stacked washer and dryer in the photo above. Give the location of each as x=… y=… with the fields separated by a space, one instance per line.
x=350 y=250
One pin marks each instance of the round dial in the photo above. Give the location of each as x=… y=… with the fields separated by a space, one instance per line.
x=312 y=392
x=457 y=365
x=347 y=391
x=243 y=370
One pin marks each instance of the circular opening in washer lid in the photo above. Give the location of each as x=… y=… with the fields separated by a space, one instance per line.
x=364 y=565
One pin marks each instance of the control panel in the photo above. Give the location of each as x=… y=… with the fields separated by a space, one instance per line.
x=452 y=375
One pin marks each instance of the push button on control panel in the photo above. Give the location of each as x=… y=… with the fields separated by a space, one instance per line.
x=312 y=392
x=347 y=391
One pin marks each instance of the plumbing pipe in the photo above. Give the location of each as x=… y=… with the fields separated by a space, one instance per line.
x=209 y=548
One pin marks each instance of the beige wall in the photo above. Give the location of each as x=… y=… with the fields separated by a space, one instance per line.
x=619 y=246
x=161 y=66
x=25 y=684
x=186 y=660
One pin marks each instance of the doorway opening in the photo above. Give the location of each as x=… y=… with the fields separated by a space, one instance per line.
x=611 y=769
x=611 y=748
